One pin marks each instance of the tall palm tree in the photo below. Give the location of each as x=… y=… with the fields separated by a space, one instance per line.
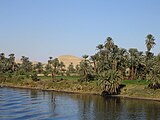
x=50 y=63
x=109 y=43
x=2 y=62
x=2 y=56
x=150 y=42
x=62 y=67
x=54 y=67
x=55 y=63
x=85 y=69
x=50 y=58
x=26 y=65
x=71 y=68
x=93 y=59
x=133 y=61
x=39 y=67
x=85 y=57
x=12 y=61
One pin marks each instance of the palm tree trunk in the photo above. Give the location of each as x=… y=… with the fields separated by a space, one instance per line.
x=95 y=69
x=132 y=73
x=135 y=73
x=12 y=68
x=115 y=66
x=53 y=76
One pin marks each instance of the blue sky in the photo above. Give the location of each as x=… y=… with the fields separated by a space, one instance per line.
x=42 y=28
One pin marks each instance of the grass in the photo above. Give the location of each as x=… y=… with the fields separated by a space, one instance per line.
x=134 y=88
x=139 y=88
x=60 y=77
x=68 y=77
x=137 y=82
x=67 y=84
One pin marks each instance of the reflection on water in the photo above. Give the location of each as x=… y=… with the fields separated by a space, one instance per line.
x=37 y=105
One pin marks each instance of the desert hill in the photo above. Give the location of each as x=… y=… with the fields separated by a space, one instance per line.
x=67 y=59
x=20 y=62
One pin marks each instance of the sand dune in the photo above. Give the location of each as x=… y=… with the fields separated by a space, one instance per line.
x=67 y=59
x=20 y=62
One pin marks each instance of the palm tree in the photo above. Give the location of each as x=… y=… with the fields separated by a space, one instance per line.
x=55 y=63
x=99 y=47
x=150 y=42
x=3 y=61
x=110 y=81
x=77 y=68
x=12 y=62
x=61 y=65
x=122 y=57
x=50 y=58
x=52 y=66
x=149 y=60
x=71 y=68
x=133 y=61
x=62 y=68
x=85 y=57
x=39 y=67
x=2 y=56
x=85 y=69
x=109 y=43
x=154 y=77
x=153 y=74
x=93 y=59
x=26 y=66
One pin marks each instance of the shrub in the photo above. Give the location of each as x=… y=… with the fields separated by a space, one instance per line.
x=35 y=77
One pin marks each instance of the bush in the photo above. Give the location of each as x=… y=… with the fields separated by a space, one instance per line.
x=2 y=78
x=35 y=77
x=87 y=78
x=154 y=86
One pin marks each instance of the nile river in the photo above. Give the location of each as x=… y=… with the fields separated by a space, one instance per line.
x=24 y=104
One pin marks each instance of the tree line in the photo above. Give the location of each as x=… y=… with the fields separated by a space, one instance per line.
x=109 y=65
x=9 y=66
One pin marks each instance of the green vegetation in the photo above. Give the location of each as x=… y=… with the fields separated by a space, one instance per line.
x=106 y=71
x=135 y=82
x=71 y=78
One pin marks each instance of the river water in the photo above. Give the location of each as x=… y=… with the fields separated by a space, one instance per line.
x=24 y=104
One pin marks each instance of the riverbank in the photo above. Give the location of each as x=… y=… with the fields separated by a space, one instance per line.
x=68 y=86
x=131 y=91
x=140 y=91
x=54 y=90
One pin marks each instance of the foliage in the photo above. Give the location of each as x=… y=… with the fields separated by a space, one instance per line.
x=150 y=42
x=109 y=64
x=71 y=68
x=87 y=78
x=135 y=82
x=110 y=81
x=85 y=70
x=35 y=77
x=154 y=78
x=39 y=67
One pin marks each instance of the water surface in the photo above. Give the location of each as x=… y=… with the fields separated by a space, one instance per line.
x=23 y=104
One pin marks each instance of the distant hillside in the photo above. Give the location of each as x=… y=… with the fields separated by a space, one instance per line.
x=19 y=61
x=67 y=59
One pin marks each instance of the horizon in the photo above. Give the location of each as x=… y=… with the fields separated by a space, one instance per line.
x=39 y=29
